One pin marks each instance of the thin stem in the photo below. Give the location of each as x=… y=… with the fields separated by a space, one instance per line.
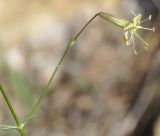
x=10 y=106
x=18 y=123
x=86 y=25
x=69 y=45
x=45 y=90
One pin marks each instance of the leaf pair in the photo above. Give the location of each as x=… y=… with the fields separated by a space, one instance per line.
x=7 y=127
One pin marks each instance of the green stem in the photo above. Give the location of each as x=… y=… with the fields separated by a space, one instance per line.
x=129 y=27
x=18 y=123
x=10 y=105
x=86 y=25
x=46 y=88
x=22 y=131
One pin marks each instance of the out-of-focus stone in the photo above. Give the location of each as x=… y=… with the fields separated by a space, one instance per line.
x=84 y=103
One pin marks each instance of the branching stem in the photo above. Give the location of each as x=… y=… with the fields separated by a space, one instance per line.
x=128 y=27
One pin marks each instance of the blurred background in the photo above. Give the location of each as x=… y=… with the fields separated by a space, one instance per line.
x=102 y=88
